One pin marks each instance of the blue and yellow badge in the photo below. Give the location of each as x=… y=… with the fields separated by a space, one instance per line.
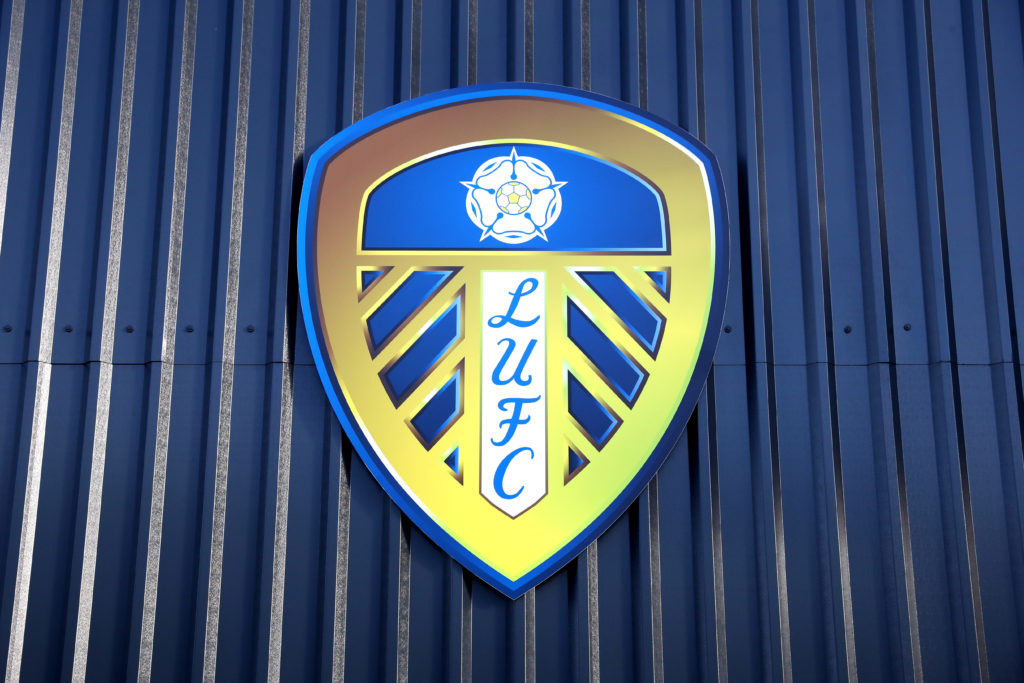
x=513 y=294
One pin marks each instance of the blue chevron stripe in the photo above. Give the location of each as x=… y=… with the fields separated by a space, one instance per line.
x=367 y=278
x=403 y=302
x=645 y=323
x=660 y=280
x=622 y=373
x=402 y=376
x=440 y=411
x=596 y=420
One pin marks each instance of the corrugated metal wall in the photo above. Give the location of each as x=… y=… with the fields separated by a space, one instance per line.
x=176 y=496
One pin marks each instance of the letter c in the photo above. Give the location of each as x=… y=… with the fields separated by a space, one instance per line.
x=499 y=474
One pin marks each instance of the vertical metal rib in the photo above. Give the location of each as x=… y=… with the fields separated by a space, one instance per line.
x=227 y=373
x=954 y=361
x=10 y=102
x=698 y=50
x=7 y=117
x=530 y=636
x=416 y=48
x=106 y=370
x=163 y=419
x=466 y=640
x=284 y=444
x=654 y=534
x=593 y=618
x=34 y=470
x=404 y=578
x=472 y=24
x=585 y=44
x=284 y=453
x=718 y=563
x=341 y=574
x=894 y=399
x=359 y=57
x=830 y=366
x=773 y=427
x=641 y=42
x=528 y=40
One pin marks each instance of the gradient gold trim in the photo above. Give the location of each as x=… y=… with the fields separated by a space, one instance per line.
x=514 y=547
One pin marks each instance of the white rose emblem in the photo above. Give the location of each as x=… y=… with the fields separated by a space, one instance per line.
x=513 y=199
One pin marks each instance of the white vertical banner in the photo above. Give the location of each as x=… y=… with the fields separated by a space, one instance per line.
x=513 y=413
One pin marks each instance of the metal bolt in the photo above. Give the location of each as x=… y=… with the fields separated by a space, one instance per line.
x=68 y=328
x=129 y=329
x=189 y=329
x=250 y=329
x=847 y=329
x=728 y=329
x=907 y=327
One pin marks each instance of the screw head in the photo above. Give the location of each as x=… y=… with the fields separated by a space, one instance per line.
x=7 y=328
x=727 y=329
x=847 y=329
x=907 y=327
x=250 y=329
x=129 y=329
x=68 y=328
x=189 y=329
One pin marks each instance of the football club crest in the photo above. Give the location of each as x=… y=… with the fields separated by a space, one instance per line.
x=513 y=294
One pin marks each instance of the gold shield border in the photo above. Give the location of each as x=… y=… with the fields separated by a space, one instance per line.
x=333 y=198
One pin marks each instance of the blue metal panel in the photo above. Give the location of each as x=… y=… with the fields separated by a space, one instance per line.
x=150 y=160
x=846 y=499
x=23 y=252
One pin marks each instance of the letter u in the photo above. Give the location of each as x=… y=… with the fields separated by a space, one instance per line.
x=517 y=376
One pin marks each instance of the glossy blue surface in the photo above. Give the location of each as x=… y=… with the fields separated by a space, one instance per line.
x=415 y=209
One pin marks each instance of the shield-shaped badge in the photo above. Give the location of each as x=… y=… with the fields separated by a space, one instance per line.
x=513 y=294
